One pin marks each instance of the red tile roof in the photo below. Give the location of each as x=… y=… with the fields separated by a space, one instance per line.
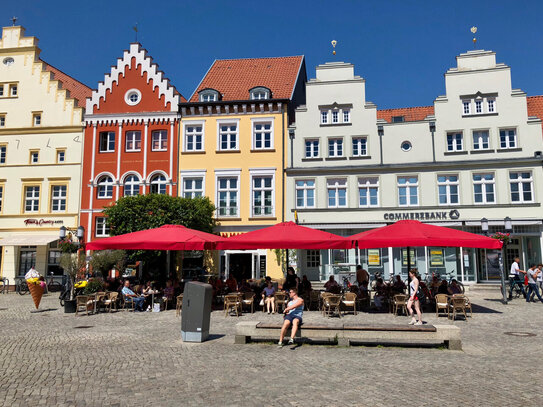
x=234 y=77
x=410 y=114
x=535 y=106
x=78 y=91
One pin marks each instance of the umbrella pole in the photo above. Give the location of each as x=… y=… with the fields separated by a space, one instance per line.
x=408 y=268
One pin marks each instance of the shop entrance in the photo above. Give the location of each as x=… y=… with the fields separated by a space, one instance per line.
x=240 y=266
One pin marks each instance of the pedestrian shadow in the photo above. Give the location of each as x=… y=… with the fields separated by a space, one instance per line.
x=41 y=311
x=480 y=309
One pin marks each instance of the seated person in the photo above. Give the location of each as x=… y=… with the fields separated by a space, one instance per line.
x=443 y=288
x=232 y=284
x=331 y=285
x=168 y=290
x=268 y=297
x=132 y=296
x=147 y=292
x=306 y=284
x=244 y=286
x=380 y=293
x=399 y=285
x=454 y=288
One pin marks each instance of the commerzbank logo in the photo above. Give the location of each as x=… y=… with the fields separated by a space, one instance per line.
x=438 y=215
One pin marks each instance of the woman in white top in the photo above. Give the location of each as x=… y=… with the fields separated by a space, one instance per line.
x=413 y=299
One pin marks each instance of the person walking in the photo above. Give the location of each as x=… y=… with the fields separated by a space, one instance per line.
x=533 y=273
x=540 y=277
x=514 y=277
x=293 y=316
x=361 y=275
x=413 y=298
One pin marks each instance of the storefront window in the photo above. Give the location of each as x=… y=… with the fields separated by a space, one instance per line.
x=469 y=258
x=53 y=260
x=532 y=250
x=445 y=262
x=418 y=260
x=375 y=261
x=27 y=259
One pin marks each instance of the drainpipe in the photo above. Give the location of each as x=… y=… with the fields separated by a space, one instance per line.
x=291 y=136
x=283 y=172
x=381 y=133
x=433 y=130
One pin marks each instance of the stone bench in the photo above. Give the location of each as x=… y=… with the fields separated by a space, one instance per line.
x=345 y=334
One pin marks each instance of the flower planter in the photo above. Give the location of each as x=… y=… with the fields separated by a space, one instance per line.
x=69 y=306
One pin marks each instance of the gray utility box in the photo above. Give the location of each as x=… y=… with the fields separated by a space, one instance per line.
x=196 y=311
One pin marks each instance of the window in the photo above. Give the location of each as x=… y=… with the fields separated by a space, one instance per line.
x=58 y=198
x=408 y=191
x=107 y=141
x=346 y=116
x=480 y=140
x=324 y=117
x=305 y=193
x=508 y=138
x=359 y=146
x=466 y=105
x=193 y=187
x=262 y=135
x=337 y=193
x=478 y=106
x=34 y=157
x=406 y=146
x=521 y=186
x=335 y=147
x=454 y=142
x=105 y=187
x=2 y=120
x=159 y=140
x=335 y=116
x=260 y=93
x=491 y=105
x=1 y=197
x=194 y=138
x=13 y=90
x=133 y=141
x=368 y=192
x=102 y=228
x=1 y=90
x=32 y=198
x=36 y=119
x=209 y=95
x=158 y=184
x=61 y=156
x=131 y=185
x=483 y=188
x=53 y=260
x=27 y=259
x=447 y=186
x=311 y=148
x=228 y=136
x=262 y=195
x=312 y=258
x=132 y=97
x=227 y=194
x=398 y=119
x=3 y=154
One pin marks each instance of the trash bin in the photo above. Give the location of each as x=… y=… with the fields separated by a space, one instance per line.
x=196 y=311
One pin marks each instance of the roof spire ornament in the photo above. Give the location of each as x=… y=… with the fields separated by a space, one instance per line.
x=334 y=43
x=14 y=20
x=473 y=31
x=135 y=28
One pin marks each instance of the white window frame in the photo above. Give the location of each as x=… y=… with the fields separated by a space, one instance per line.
x=230 y=174
x=346 y=113
x=208 y=95
x=131 y=185
x=408 y=186
x=448 y=184
x=262 y=121
x=356 y=140
x=305 y=188
x=312 y=147
x=101 y=227
x=2 y=120
x=521 y=181
x=36 y=119
x=335 y=185
x=221 y=123
x=161 y=140
x=192 y=175
x=466 y=107
x=455 y=145
x=109 y=136
x=33 y=200
x=3 y=153
x=508 y=139
x=333 y=151
x=262 y=173
x=365 y=185
x=130 y=136
x=103 y=188
x=34 y=157
x=160 y=184
x=58 y=198
x=61 y=156
x=491 y=102
x=324 y=116
x=335 y=116
x=193 y=134
x=479 y=144
x=478 y=106
x=13 y=90
x=484 y=183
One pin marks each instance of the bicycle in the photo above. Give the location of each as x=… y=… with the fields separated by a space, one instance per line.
x=449 y=277
x=53 y=285
x=4 y=287
x=21 y=286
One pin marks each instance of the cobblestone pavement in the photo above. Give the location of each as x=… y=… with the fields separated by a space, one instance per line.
x=124 y=359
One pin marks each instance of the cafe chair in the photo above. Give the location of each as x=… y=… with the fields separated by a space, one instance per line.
x=280 y=301
x=81 y=301
x=110 y=300
x=349 y=301
x=232 y=302
x=399 y=302
x=458 y=304
x=179 y=305
x=249 y=299
x=442 y=302
x=331 y=304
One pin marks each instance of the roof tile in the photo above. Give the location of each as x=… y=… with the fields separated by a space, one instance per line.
x=78 y=90
x=410 y=114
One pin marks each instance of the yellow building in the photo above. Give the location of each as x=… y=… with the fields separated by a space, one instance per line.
x=234 y=137
x=41 y=136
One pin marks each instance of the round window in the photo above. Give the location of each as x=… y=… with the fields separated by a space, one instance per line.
x=406 y=146
x=8 y=61
x=132 y=97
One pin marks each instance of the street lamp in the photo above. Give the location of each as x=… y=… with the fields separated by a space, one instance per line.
x=381 y=133
x=62 y=232
x=508 y=229
x=484 y=226
x=291 y=135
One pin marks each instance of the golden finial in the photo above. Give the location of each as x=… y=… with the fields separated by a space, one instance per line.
x=334 y=43
x=473 y=31
x=14 y=20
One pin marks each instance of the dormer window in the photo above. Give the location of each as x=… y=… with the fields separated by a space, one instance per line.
x=398 y=119
x=208 y=95
x=260 y=93
x=479 y=104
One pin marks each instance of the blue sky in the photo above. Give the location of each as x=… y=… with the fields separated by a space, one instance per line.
x=401 y=48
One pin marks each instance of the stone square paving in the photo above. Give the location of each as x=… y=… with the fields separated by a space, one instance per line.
x=134 y=359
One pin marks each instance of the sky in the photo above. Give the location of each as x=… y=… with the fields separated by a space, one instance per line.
x=401 y=48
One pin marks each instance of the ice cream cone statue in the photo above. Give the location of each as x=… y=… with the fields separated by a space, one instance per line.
x=35 y=286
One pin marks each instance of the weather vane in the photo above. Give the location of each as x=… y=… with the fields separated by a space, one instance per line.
x=334 y=43
x=473 y=31
x=14 y=19
x=136 y=30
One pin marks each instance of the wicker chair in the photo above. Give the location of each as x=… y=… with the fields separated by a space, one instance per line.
x=128 y=302
x=399 y=302
x=331 y=304
x=232 y=302
x=349 y=301
x=458 y=304
x=314 y=299
x=442 y=302
x=280 y=300
x=467 y=303
x=110 y=300
x=81 y=301
x=179 y=305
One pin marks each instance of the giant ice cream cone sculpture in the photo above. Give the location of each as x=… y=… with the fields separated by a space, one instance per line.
x=36 y=290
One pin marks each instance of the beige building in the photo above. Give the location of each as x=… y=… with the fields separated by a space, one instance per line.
x=41 y=135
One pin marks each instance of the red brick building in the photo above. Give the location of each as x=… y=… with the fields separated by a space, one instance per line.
x=131 y=138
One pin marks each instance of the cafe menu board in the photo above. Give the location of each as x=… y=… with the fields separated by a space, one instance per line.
x=436 y=257
x=413 y=257
x=374 y=257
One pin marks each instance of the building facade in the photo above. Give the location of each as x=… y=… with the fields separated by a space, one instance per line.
x=476 y=153
x=234 y=150
x=41 y=138
x=131 y=138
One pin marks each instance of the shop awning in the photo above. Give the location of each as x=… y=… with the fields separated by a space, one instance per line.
x=28 y=240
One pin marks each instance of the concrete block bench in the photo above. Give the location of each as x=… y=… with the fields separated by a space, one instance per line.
x=345 y=334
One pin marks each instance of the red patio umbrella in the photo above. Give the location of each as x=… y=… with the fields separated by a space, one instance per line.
x=285 y=235
x=406 y=233
x=167 y=237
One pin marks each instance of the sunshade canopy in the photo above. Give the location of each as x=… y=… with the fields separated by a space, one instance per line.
x=413 y=233
x=286 y=235
x=28 y=240
x=167 y=237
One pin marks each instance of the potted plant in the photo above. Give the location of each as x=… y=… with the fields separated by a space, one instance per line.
x=72 y=263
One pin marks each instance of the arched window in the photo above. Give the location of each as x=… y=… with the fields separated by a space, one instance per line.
x=209 y=95
x=105 y=187
x=260 y=93
x=131 y=185
x=158 y=184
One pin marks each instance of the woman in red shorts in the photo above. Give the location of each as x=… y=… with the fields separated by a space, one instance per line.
x=413 y=299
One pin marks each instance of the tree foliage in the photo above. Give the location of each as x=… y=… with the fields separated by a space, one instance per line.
x=104 y=260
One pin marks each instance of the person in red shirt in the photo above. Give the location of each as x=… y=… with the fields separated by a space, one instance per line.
x=232 y=284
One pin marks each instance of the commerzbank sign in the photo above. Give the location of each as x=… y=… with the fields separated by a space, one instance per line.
x=440 y=215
